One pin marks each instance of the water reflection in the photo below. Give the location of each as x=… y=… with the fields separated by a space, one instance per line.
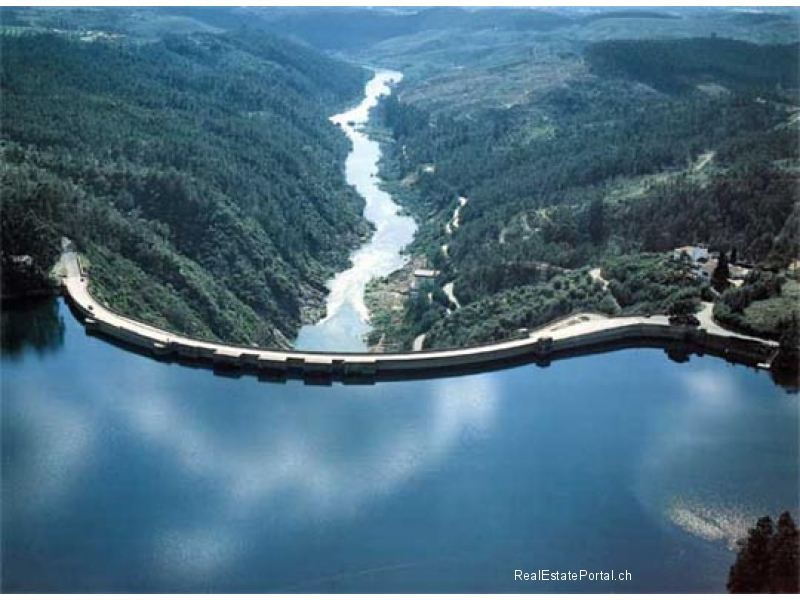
x=124 y=473
x=195 y=554
x=310 y=459
x=692 y=474
x=51 y=445
x=315 y=467
x=30 y=324
x=786 y=377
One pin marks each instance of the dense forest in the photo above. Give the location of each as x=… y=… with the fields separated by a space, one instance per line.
x=199 y=175
x=348 y=29
x=198 y=172
x=679 y=65
x=586 y=173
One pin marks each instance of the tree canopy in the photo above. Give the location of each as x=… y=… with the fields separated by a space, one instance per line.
x=604 y=171
x=767 y=561
x=199 y=174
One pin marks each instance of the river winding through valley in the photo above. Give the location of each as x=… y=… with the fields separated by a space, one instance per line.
x=347 y=320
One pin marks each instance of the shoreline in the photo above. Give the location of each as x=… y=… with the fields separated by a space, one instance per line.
x=572 y=335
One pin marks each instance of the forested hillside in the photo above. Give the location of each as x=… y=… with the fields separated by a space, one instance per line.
x=680 y=65
x=199 y=174
x=593 y=168
x=355 y=28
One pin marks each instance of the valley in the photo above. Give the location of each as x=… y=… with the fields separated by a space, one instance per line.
x=199 y=175
x=586 y=163
x=574 y=152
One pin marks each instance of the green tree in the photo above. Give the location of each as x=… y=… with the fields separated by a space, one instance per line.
x=596 y=221
x=721 y=272
x=767 y=561
x=789 y=349
x=750 y=573
x=681 y=312
x=200 y=175
x=784 y=566
x=681 y=308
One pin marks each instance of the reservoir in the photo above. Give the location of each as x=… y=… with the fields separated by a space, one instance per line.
x=123 y=473
x=346 y=319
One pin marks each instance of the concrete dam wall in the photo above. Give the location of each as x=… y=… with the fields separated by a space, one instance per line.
x=573 y=335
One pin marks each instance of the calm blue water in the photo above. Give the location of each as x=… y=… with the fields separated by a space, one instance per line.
x=121 y=473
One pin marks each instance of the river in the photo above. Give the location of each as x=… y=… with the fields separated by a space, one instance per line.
x=347 y=320
x=123 y=473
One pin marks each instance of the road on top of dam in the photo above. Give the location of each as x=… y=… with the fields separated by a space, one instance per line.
x=76 y=286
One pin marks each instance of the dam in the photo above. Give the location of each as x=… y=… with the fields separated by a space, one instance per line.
x=575 y=334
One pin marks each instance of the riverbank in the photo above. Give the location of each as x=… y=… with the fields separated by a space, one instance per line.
x=386 y=299
x=346 y=320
